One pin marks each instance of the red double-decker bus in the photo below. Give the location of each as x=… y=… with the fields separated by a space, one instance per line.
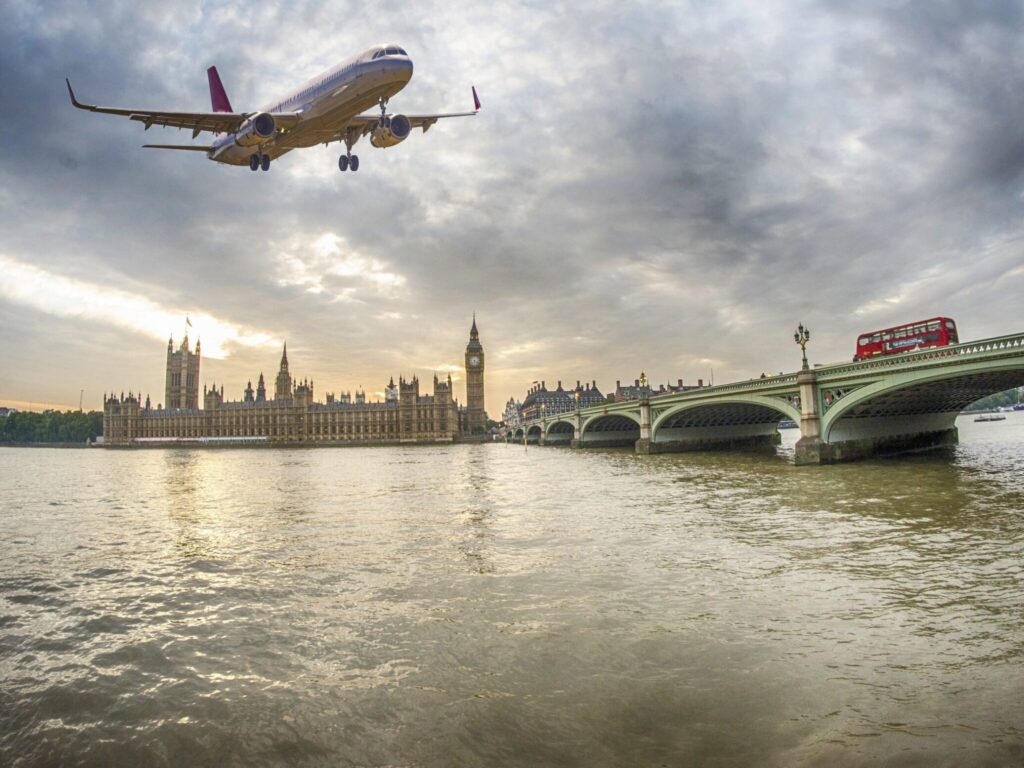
x=935 y=332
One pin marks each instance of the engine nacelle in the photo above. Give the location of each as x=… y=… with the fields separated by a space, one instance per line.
x=256 y=130
x=394 y=130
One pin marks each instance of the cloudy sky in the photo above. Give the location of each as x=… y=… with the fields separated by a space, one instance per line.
x=658 y=186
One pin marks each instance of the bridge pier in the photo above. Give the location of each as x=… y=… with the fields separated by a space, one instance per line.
x=868 y=447
x=810 y=448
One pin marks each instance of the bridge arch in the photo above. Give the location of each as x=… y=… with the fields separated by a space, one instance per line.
x=610 y=429
x=913 y=403
x=560 y=432
x=732 y=422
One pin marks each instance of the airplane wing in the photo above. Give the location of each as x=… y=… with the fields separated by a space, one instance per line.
x=215 y=122
x=366 y=123
x=185 y=147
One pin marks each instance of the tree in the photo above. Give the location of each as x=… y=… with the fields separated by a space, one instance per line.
x=51 y=427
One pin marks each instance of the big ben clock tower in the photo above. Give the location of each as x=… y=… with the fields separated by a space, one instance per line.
x=476 y=418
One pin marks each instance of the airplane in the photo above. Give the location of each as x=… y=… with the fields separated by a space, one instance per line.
x=325 y=109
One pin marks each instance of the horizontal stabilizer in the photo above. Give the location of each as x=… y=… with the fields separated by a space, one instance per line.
x=187 y=147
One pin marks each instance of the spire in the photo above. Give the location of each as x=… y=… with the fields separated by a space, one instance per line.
x=284 y=358
x=170 y=342
x=474 y=345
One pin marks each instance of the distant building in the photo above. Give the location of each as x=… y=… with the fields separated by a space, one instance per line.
x=293 y=415
x=511 y=415
x=633 y=391
x=5 y=411
x=541 y=401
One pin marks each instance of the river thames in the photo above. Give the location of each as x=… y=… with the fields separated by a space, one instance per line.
x=508 y=606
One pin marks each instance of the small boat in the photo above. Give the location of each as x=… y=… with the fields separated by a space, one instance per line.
x=990 y=417
x=788 y=424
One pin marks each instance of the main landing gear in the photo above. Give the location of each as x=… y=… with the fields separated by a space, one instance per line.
x=348 y=161
x=257 y=161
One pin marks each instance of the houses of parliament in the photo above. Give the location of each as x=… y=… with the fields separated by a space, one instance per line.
x=293 y=415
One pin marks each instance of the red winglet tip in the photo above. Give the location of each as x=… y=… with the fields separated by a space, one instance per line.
x=476 y=99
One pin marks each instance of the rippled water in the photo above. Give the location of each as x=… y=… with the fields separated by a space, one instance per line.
x=495 y=605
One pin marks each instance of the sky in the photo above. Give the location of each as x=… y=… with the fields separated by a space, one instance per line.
x=667 y=187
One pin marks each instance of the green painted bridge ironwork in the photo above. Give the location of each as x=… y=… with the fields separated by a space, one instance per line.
x=846 y=411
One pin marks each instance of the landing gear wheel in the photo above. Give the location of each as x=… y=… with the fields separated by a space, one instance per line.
x=265 y=162
x=343 y=163
x=254 y=162
x=353 y=163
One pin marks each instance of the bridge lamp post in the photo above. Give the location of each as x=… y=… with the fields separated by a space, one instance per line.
x=643 y=385
x=801 y=337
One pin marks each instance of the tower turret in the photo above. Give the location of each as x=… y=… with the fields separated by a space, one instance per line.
x=182 y=375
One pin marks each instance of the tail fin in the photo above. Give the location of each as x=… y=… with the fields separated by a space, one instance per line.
x=218 y=98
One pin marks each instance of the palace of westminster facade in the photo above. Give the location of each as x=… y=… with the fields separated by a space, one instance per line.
x=292 y=415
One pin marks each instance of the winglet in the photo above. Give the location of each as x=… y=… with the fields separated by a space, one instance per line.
x=71 y=93
x=476 y=99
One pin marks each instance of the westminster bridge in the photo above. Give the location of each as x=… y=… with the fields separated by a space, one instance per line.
x=845 y=411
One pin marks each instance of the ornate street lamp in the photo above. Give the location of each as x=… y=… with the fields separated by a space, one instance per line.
x=576 y=397
x=643 y=385
x=801 y=337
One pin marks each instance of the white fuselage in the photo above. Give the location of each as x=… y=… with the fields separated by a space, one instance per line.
x=327 y=103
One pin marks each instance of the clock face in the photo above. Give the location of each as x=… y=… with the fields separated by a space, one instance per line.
x=474 y=361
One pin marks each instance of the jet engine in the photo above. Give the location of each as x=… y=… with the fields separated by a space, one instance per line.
x=391 y=131
x=256 y=130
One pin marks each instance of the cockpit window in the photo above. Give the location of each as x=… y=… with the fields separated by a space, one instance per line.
x=378 y=54
x=392 y=50
x=402 y=52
